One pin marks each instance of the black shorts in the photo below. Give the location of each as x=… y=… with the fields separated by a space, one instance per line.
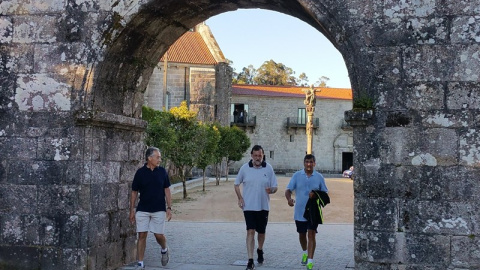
x=256 y=220
x=303 y=226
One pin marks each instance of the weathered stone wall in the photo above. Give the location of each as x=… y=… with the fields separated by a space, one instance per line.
x=272 y=134
x=202 y=93
x=72 y=78
x=64 y=191
x=223 y=92
x=206 y=89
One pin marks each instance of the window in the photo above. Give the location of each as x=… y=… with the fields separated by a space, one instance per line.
x=302 y=116
x=239 y=113
x=271 y=154
x=167 y=101
x=291 y=138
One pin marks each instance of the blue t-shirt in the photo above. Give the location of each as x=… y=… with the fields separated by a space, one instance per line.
x=302 y=185
x=151 y=185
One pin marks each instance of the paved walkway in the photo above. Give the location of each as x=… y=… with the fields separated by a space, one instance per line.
x=221 y=245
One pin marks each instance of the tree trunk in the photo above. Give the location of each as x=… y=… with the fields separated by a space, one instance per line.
x=226 y=171
x=184 y=181
x=217 y=174
x=204 y=179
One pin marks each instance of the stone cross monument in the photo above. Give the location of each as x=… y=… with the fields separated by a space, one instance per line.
x=310 y=101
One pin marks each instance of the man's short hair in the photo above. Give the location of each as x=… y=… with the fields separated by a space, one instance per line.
x=150 y=151
x=256 y=148
x=309 y=156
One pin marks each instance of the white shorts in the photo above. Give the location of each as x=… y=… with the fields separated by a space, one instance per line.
x=153 y=222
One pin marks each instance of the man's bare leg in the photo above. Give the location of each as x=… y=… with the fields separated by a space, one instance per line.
x=141 y=245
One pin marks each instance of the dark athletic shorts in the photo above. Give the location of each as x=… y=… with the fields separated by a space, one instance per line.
x=256 y=220
x=303 y=226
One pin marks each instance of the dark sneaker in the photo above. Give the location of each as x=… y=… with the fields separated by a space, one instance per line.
x=165 y=257
x=260 y=256
x=250 y=265
x=139 y=267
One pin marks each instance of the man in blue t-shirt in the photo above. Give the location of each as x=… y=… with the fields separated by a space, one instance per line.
x=303 y=182
x=259 y=181
x=155 y=205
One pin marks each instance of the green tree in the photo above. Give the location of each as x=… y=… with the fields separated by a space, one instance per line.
x=211 y=138
x=272 y=73
x=303 y=79
x=246 y=76
x=233 y=143
x=186 y=149
x=159 y=131
x=176 y=134
x=219 y=155
x=322 y=81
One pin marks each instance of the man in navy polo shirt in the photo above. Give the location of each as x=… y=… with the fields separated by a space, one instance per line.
x=154 y=207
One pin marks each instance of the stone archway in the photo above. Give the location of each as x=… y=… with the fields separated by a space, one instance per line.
x=72 y=78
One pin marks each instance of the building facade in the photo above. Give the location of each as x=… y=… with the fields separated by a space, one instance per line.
x=195 y=70
x=275 y=117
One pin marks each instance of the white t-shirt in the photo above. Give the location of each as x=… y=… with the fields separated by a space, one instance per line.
x=254 y=181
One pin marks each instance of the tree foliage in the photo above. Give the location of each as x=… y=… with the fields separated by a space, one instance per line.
x=246 y=76
x=233 y=143
x=186 y=143
x=211 y=139
x=302 y=79
x=273 y=73
x=322 y=81
x=176 y=134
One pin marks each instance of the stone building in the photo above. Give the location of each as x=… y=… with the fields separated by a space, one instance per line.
x=276 y=117
x=72 y=81
x=195 y=70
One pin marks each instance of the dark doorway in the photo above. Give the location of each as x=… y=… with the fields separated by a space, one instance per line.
x=347 y=160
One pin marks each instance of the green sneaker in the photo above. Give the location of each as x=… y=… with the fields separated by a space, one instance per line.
x=304 y=259
x=310 y=266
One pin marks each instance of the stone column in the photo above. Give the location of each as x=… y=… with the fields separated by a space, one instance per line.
x=309 y=128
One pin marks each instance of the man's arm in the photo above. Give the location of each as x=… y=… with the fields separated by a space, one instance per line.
x=271 y=190
x=288 y=196
x=241 y=203
x=133 y=199
x=168 y=197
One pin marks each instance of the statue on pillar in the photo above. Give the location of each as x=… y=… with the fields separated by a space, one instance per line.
x=310 y=98
x=310 y=101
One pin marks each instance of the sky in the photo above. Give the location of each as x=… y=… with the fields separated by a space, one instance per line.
x=253 y=36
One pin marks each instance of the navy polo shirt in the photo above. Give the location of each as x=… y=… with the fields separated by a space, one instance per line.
x=151 y=185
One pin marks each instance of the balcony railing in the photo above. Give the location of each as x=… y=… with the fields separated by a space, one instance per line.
x=292 y=122
x=249 y=122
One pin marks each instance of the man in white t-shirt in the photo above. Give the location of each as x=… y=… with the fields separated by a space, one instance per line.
x=259 y=181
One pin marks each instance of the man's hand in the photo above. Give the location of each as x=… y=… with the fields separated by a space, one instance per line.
x=241 y=203
x=291 y=202
x=132 y=217
x=271 y=190
x=169 y=214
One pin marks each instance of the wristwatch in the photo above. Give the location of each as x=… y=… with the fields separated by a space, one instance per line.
x=169 y=208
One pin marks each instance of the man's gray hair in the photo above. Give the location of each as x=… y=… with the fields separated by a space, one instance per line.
x=150 y=151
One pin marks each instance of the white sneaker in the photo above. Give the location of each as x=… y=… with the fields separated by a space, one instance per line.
x=165 y=257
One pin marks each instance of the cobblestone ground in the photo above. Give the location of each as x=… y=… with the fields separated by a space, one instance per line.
x=221 y=245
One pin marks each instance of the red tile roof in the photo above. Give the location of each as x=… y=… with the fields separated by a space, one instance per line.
x=190 y=48
x=290 y=91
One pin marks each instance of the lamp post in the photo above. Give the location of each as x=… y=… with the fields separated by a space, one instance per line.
x=310 y=101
